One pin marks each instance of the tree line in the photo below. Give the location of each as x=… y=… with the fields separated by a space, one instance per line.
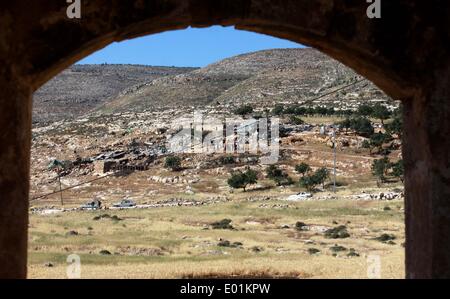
x=309 y=179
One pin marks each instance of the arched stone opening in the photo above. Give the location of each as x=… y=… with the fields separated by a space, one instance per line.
x=405 y=53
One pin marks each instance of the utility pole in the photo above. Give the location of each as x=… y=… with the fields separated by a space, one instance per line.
x=335 y=153
x=60 y=189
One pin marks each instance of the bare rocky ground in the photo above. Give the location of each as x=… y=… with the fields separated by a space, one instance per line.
x=82 y=88
x=135 y=140
x=271 y=76
x=171 y=232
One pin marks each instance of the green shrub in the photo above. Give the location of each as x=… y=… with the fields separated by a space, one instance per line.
x=243 y=179
x=398 y=170
x=308 y=182
x=278 y=110
x=380 y=168
x=227 y=160
x=362 y=126
x=244 y=110
x=303 y=169
x=396 y=126
x=318 y=178
x=173 y=163
x=366 y=144
x=381 y=112
x=279 y=176
x=365 y=110
x=378 y=139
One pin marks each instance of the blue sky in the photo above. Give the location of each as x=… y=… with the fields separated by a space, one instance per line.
x=190 y=47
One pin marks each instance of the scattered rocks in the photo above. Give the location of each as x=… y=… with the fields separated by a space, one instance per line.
x=100 y=217
x=381 y=196
x=138 y=251
x=223 y=224
x=116 y=218
x=257 y=199
x=318 y=228
x=107 y=216
x=276 y=206
x=226 y=243
x=353 y=253
x=46 y=211
x=282 y=250
x=182 y=202
x=339 y=232
x=301 y=226
x=386 y=238
x=336 y=248
x=257 y=249
x=313 y=251
x=173 y=180
x=72 y=233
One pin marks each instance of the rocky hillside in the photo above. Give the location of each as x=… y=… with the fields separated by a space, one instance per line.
x=265 y=77
x=82 y=88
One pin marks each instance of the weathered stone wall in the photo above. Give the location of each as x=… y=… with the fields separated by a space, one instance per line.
x=406 y=53
x=392 y=51
x=15 y=147
x=427 y=165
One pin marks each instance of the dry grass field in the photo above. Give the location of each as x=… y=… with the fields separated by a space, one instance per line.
x=179 y=242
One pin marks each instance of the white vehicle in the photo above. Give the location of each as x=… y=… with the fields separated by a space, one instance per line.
x=126 y=203
x=299 y=197
x=93 y=205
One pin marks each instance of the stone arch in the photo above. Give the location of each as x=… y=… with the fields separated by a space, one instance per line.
x=405 y=53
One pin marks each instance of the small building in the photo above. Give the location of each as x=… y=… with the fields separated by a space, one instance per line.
x=101 y=167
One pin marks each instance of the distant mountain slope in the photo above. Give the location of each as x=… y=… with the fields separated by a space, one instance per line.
x=82 y=88
x=263 y=78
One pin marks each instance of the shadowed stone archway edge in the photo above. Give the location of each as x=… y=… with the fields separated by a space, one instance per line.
x=406 y=53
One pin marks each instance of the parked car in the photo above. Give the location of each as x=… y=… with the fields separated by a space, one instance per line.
x=126 y=203
x=300 y=196
x=93 y=205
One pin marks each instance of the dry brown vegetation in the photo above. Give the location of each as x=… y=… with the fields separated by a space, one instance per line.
x=177 y=242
